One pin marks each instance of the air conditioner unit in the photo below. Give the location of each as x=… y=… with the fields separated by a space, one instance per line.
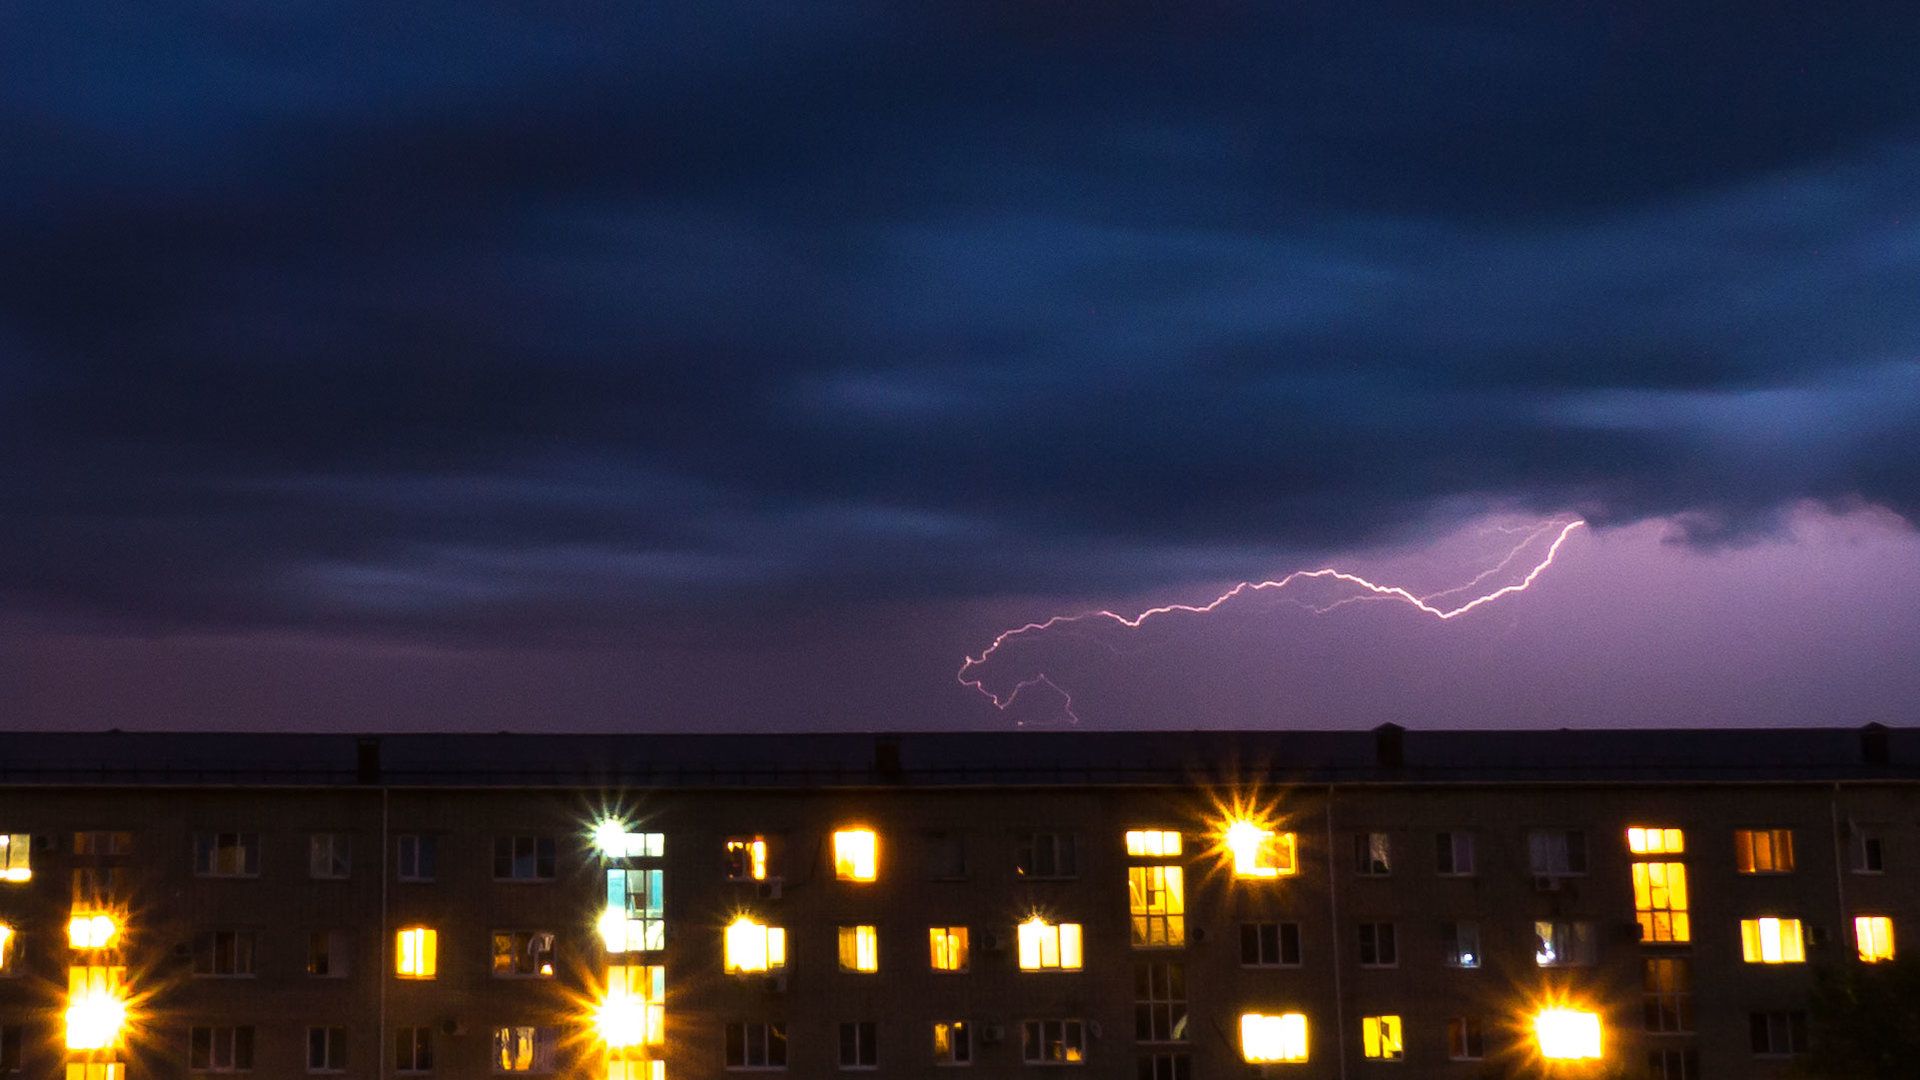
x=1093 y=1028
x=992 y=1033
x=1549 y=883
x=1817 y=934
x=452 y=1025
x=1199 y=934
x=776 y=984
x=183 y=950
x=768 y=890
x=992 y=942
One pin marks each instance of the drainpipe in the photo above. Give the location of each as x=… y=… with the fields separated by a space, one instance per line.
x=1333 y=913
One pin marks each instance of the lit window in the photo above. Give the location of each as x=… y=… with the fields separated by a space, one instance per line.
x=1156 y=897
x=1153 y=843
x=634 y=1012
x=1667 y=994
x=95 y=931
x=523 y=858
x=226 y=854
x=416 y=953
x=523 y=1048
x=752 y=947
x=1874 y=935
x=1563 y=944
x=1053 y=1042
x=1260 y=853
x=635 y=919
x=1463 y=944
x=1265 y=1038
x=329 y=856
x=1159 y=1003
x=16 y=857
x=96 y=1070
x=1763 y=851
x=220 y=1049
x=102 y=842
x=326 y=1049
x=1453 y=854
x=1380 y=1038
x=615 y=842
x=856 y=855
x=1046 y=946
x=757 y=1046
x=96 y=1007
x=859 y=948
x=1772 y=941
x=952 y=1043
x=1048 y=855
x=8 y=946
x=747 y=859
x=1660 y=901
x=1372 y=854
x=522 y=954
x=1647 y=840
x=1567 y=1034
x=622 y=1065
x=949 y=947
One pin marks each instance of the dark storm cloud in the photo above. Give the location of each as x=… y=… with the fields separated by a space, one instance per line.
x=479 y=319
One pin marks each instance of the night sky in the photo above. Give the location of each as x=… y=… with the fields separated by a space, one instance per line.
x=731 y=366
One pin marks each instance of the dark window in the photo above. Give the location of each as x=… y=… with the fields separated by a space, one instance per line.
x=220 y=1049
x=1270 y=944
x=1673 y=1065
x=1377 y=945
x=1049 y=855
x=413 y=1049
x=326 y=1049
x=523 y=858
x=1159 y=1003
x=419 y=857
x=1164 y=1067
x=223 y=952
x=11 y=1038
x=756 y=1046
x=1667 y=994
x=1776 y=1034
x=1466 y=1039
x=857 y=1044
x=1372 y=854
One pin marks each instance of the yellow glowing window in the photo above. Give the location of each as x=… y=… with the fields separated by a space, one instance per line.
x=16 y=857
x=1660 y=901
x=634 y=1011
x=1644 y=840
x=859 y=948
x=747 y=859
x=856 y=855
x=6 y=948
x=1046 y=946
x=631 y=1069
x=1153 y=843
x=416 y=953
x=752 y=947
x=1567 y=1034
x=94 y=931
x=615 y=842
x=1260 y=853
x=1380 y=1038
x=1874 y=935
x=1265 y=1038
x=949 y=947
x=1772 y=941
x=96 y=1070
x=1763 y=851
x=96 y=1007
x=1156 y=898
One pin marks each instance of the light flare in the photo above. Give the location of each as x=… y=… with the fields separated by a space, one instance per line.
x=1370 y=590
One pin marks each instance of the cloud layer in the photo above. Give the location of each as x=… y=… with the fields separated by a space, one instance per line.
x=486 y=327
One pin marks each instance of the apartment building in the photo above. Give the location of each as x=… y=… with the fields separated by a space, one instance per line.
x=1160 y=906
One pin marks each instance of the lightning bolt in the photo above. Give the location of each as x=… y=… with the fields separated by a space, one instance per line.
x=1369 y=591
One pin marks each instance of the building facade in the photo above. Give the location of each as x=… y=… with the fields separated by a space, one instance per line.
x=1161 y=906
